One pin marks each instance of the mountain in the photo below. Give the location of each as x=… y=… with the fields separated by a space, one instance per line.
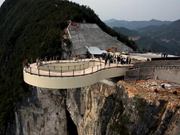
x=133 y=25
x=163 y=38
x=169 y=32
x=33 y=29
x=165 y=35
x=144 y=43
x=126 y=31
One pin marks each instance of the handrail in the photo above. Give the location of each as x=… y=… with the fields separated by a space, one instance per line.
x=93 y=69
x=66 y=61
x=78 y=74
x=73 y=73
x=57 y=62
x=161 y=66
x=158 y=67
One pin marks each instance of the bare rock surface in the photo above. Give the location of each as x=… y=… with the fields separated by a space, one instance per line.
x=131 y=108
x=142 y=107
x=86 y=34
x=44 y=114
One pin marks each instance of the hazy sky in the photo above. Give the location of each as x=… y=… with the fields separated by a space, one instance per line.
x=134 y=9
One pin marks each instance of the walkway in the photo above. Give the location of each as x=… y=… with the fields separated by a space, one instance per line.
x=71 y=74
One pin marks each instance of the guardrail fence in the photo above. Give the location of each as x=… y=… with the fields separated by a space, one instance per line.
x=85 y=68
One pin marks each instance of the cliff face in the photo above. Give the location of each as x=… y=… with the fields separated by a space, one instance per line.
x=100 y=109
x=145 y=113
x=91 y=108
x=64 y=112
x=43 y=114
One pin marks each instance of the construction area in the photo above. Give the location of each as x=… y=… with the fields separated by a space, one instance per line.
x=154 y=89
x=85 y=35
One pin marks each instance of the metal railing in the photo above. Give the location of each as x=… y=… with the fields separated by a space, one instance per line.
x=147 y=72
x=80 y=70
x=166 y=67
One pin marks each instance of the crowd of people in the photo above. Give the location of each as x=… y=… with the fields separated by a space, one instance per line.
x=107 y=57
x=118 y=59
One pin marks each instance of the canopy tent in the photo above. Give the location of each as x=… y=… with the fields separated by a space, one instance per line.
x=95 y=50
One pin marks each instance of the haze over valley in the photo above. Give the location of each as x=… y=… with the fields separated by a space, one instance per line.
x=153 y=35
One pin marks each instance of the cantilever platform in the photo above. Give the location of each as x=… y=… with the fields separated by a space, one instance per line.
x=71 y=74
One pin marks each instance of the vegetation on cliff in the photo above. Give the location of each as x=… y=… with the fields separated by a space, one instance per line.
x=31 y=29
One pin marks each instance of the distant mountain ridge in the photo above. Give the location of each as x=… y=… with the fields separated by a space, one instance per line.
x=163 y=38
x=134 y=25
x=125 y=31
x=170 y=32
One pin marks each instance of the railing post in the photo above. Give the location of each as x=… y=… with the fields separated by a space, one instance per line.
x=83 y=69
x=49 y=72
x=73 y=72
x=30 y=70
x=38 y=72
x=92 y=69
x=61 y=71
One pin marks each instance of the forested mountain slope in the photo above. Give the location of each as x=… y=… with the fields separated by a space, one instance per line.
x=163 y=38
x=31 y=29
